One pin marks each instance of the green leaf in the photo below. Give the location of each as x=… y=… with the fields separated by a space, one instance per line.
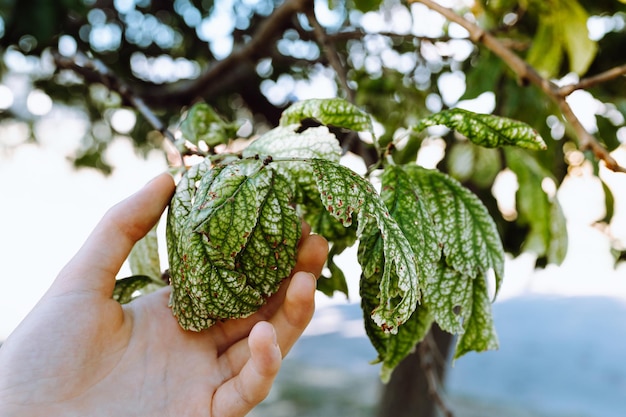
x=344 y=193
x=469 y=162
x=470 y=239
x=144 y=257
x=484 y=76
x=204 y=124
x=548 y=234
x=546 y=53
x=579 y=48
x=232 y=236
x=126 y=287
x=367 y=5
x=336 y=280
x=407 y=207
x=485 y=129
x=331 y=112
x=562 y=28
x=479 y=334
x=391 y=348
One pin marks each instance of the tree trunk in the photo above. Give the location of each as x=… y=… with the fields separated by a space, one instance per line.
x=408 y=394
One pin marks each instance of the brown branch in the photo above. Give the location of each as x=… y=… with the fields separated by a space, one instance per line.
x=588 y=82
x=331 y=53
x=527 y=74
x=258 y=47
x=94 y=70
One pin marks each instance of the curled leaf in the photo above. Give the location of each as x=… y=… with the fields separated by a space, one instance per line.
x=232 y=236
x=344 y=194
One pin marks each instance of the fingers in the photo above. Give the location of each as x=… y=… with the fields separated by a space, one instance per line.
x=95 y=265
x=240 y=394
x=289 y=321
x=312 y=254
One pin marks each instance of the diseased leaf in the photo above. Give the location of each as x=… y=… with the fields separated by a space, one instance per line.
x=391 y=348
x=232 y=238
x=485 y=129
x=449 y=295
x=285 y=142
x=480 y=334
x=126 y=287
x=144 y=257
x=407 y=207
x=345 y=193
x=470 y=239
x=331 y=112
x=204 y=124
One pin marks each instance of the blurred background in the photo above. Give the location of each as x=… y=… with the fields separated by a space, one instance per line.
x=80 y=81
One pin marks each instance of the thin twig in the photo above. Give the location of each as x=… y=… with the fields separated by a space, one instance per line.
x=428 y=363
x=94 y=70
x=526 y=74
x=331 y=53
x=588 y=82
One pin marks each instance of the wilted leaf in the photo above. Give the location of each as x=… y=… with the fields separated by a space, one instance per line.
x=345 y=193
x=232 y=238
x=485 y=129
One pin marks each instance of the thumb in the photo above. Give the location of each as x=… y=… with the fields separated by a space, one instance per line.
x=98 y=261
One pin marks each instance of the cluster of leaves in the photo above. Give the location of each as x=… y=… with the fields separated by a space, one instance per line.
x=427 y=244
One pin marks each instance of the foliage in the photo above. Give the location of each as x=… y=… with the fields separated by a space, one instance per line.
x=510 y=60
x=427 y=243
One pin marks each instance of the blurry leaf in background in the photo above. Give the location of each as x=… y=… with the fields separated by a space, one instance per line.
x=548 y=235
x=562 y=30
x=144 y=257
x=202 y=123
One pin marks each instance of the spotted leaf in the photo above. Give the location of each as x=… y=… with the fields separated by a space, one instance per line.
x=344 y=194
x=331 y=112
x=232 y=236
x=469 y=237
x=485 y=129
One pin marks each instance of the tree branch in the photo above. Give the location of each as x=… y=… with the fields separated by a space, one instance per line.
x=258 y=47
x=527 y=74
x=589 y=82
x=94 y=70
x=331 y=53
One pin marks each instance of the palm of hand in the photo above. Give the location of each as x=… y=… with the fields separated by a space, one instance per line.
x=81 y=353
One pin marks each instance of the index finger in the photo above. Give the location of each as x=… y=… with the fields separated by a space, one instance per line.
x=100 y=258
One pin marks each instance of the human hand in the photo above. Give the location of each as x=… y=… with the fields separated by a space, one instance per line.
x=80 y=353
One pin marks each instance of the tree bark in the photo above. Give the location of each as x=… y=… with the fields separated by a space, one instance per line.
x=408 y=394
